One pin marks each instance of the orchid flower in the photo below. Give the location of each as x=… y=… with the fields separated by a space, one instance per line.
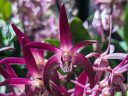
x=33 y=60
x=43 y=77
x=104 y=8
x=9 y=73
x=116 y=76
x=112 y=76
x=101 y=61
x=66 y=56
x=111 y=83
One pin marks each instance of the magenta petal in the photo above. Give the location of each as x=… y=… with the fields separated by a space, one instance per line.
x=6 y=48
x=19 y=34
x=13 y=60
x=4 y=73
x=52 y=64
x=123 y=69
x=82 y=80
x=65 y=34
x=44 y=46
x=54 y=77
x=124 y=61
x=31 y=63
x=13 y=81
x=83 y=62
x=82 y=44
x=55 y=90
x=11 y=71
x=41 y=53
x=9 y=94
x=64 y=91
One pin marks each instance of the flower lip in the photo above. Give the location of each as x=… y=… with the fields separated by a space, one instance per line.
x=66 y=62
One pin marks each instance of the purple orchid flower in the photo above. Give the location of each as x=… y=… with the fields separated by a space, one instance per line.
x=9 y=74
x=113 y=80
x=20 y=83
x=66 y=57
x=111 y=83
x=33 y=60
x=101 y=63
x=43 y=79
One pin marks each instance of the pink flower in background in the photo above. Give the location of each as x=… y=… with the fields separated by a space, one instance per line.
x=50 y=29
x=34 y=14
x=105 y=8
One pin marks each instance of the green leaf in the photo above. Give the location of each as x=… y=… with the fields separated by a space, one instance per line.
x=120 y=94
x=1 y=38
x=61 y=71
x=69 y=86
x=118 y=46
x=6 y=11
x=21 y=71
x=126 y=26
x=52 y=42
x=1 y=5
x=79 y=33
x=121 y=33
x=123 y=45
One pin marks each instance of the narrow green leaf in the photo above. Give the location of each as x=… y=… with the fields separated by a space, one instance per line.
x=126 y=26
x=6 y=11
x=123 y=45
x=1 y=5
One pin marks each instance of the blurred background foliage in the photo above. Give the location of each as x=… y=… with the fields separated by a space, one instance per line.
x=38 y=19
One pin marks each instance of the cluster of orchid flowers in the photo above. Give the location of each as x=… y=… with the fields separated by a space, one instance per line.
x=103 y=10
x=43 y=77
